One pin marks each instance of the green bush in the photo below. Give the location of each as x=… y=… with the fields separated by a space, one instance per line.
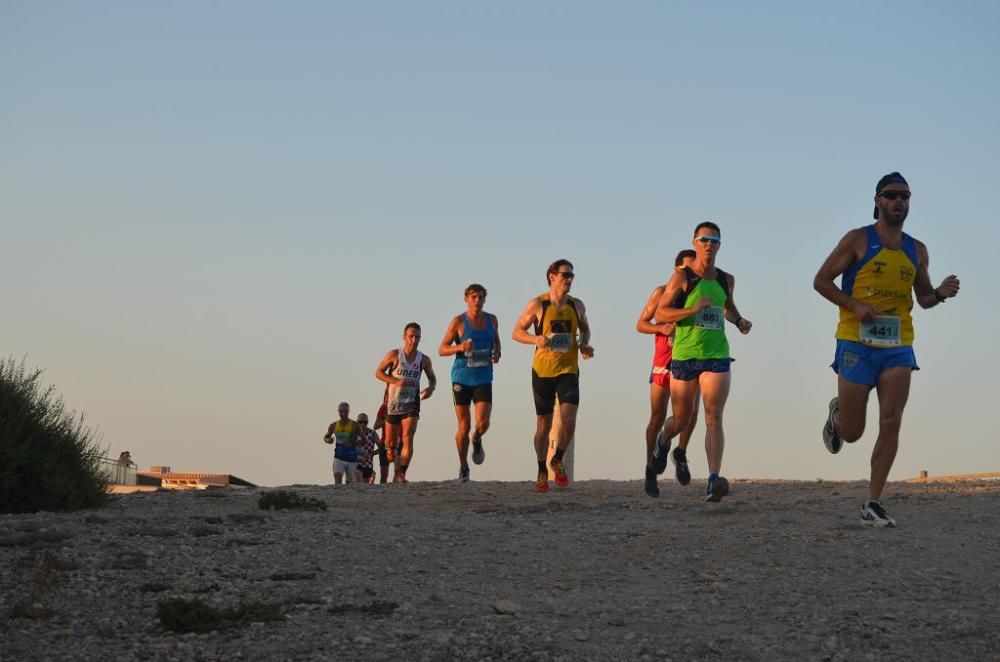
x=285 y=500
x=48 y=458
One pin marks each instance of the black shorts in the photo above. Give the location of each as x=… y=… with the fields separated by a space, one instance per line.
x=366 y=472
x=685 y=371
x=463 y=395
x=396 y=419
x=545 y=390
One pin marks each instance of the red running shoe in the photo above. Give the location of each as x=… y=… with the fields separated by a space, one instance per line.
x=542 y=484
x=562 y=480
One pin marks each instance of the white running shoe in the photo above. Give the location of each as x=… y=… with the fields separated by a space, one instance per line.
x=873 y=514
x=831 y=439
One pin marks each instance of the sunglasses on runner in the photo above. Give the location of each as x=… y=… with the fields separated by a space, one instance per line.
x=568 y=275
x=363 y=422
x=892 y=195
x=706 y=239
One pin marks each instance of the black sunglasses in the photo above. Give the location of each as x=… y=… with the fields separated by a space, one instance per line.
x=568 y=275
x=892 y=195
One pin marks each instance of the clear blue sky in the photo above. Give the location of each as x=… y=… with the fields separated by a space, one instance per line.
x=217 y=217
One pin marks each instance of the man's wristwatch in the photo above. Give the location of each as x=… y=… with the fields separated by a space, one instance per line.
x=937 y=295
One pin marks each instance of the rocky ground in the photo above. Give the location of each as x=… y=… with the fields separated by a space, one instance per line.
x=494 y=571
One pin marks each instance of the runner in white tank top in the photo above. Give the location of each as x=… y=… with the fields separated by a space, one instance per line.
x=400 y=369
x=403 y=399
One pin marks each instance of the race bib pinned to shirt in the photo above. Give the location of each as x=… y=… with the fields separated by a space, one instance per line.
x=709 y=318
x=560 y=342
x=883 y=331
x=479 y=358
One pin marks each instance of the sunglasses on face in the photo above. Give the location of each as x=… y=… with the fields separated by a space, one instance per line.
x=566 y=275
x=892 y=195
x=363 y=422
x=708 y=239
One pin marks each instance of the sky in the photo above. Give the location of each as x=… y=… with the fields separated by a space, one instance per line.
x=217 y=217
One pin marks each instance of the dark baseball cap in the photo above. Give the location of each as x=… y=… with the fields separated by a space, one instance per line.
x=891 y=178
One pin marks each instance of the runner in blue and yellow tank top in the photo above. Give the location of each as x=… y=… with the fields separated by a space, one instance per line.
x=699 y=299
x=881 y=268
x=472 y=338
x=561 y=335
x=345 y=435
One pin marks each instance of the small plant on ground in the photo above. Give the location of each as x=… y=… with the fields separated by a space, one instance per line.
x=49 y=459
x=46 y=573
x=285 y=500
x=375 y=608
x=181 y=615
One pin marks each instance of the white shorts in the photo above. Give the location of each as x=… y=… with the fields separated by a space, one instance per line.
x=348 y=468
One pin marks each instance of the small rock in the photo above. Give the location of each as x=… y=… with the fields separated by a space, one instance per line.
x=362 y=640
x=505 y=606
x=579 y=635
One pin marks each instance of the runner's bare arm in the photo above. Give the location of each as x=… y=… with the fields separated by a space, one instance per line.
x=531 y=315
x=451 y=336
x=850 y=249
x=928 y=296
x=586 y=350
x=383 y=372
x=647 y=318
x=496 y=339
x=328 y=437
x=665 y=312
x=732 y=312
x=432 y=379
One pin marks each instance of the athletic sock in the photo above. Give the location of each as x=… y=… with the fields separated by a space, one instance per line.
x=712 y=477
x=541 y=468
x=559 y=454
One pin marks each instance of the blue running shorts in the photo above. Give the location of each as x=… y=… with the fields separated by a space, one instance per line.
x=862 y=364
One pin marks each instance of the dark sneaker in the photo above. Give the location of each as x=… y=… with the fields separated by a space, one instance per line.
x=478 y=454
x=873 y=514
x=831 y=439
x=661 y=449
x=652 y=489
x=717 y=489
x=562 y=479
x=681 y=466
x=463 y=475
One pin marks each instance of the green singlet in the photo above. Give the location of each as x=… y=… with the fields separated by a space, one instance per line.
x=703 y=335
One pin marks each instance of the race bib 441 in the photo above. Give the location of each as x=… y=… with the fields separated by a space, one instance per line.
x=881 y=332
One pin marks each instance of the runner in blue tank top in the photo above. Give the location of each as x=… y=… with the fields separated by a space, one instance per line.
x=473 y=340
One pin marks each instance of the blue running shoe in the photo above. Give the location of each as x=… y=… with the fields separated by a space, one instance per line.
x=478 y=452
x=681 y=465
x=718 y=487
x=661 y=450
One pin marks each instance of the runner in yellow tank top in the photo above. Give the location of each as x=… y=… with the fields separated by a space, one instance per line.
x=881 y=269
x=561 y=332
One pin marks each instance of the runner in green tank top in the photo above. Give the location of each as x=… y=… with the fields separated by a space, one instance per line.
x=701 y=353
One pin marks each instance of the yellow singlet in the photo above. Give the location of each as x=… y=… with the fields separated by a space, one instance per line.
x=560 y=326
x=883 y=278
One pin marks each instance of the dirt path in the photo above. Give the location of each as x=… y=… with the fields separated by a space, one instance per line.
x=494 y=571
